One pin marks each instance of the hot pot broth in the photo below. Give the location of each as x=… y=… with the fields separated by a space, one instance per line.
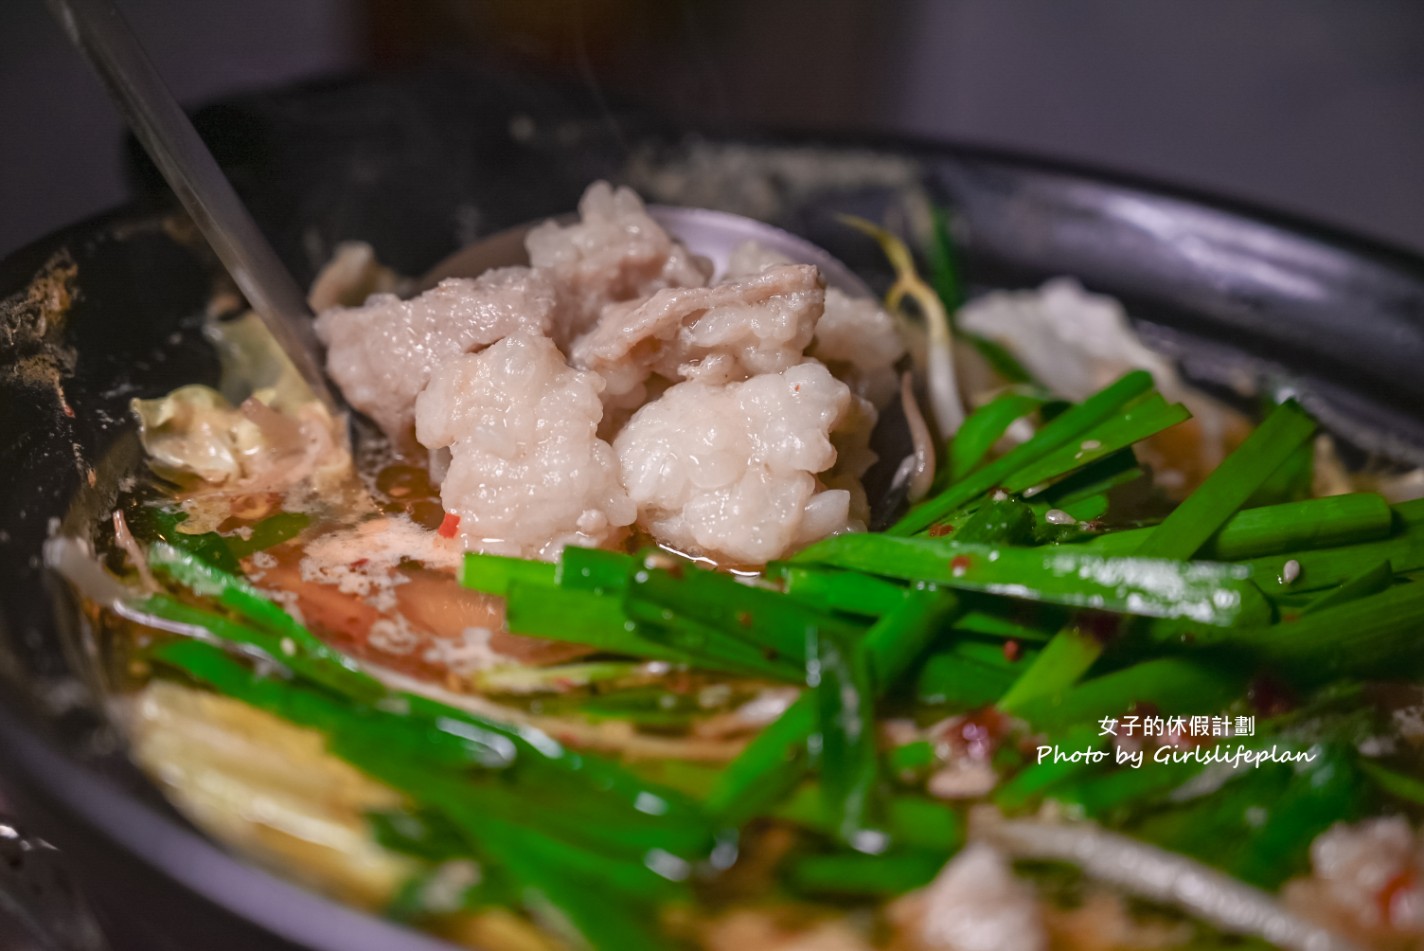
x=842 y=742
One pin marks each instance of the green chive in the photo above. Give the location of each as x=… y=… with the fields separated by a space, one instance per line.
x=984 y=427
x=1251 y=533
x=1207 y=592
x=494 y=574
x=1071 y=425
x=774 y=762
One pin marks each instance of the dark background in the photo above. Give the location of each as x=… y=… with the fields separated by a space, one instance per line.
x=1311 y=106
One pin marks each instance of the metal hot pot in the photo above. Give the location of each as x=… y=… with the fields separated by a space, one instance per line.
x=108 y=310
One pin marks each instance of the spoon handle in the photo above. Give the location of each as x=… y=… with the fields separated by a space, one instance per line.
x=101 y=33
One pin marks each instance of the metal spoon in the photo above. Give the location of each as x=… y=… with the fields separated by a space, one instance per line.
x=712 y=234
x=100 y=32
x=102 y=35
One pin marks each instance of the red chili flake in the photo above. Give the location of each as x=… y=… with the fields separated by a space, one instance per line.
x=1289 y=616
x=680 y=682
x=1144 y=709
x=975 y=734
x=449 y=525
x=1013 y=650
x=941 y=530
x=360 y=563
x=1269 y=697
x=744 y=618
x=1177 y=739
x=1392 y=896
x=959 y=564
x=1099 y=625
